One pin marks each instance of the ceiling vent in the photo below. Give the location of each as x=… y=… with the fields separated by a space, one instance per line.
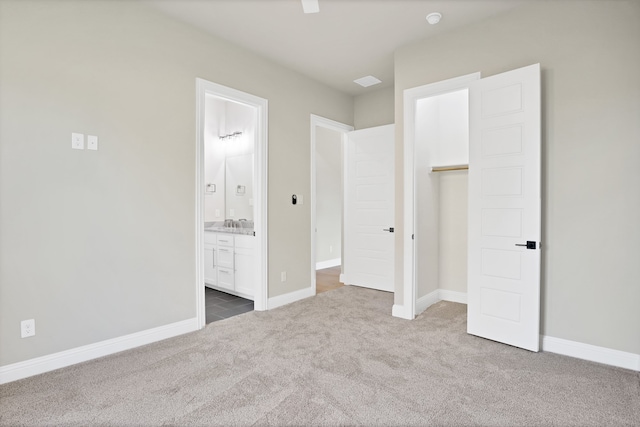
x=367 y=81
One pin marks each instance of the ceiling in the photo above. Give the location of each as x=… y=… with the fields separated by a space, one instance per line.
x=346 y=40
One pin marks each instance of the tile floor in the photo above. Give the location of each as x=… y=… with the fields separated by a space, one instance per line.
x=219 y=305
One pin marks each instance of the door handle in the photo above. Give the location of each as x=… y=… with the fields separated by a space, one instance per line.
x=390 y=229
x=529 y=245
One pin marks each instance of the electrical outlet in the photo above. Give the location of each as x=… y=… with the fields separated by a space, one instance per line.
x=27 y=328
x=77 y=141
x=283 y=276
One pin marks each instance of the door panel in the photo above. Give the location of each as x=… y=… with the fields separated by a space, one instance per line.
x=504 y=208
x=369 y=208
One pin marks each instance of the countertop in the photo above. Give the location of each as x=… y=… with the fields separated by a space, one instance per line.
x=246 y=228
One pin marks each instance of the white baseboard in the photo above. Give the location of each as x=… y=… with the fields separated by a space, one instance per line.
x=431 y=298
x=341 y=278
x=592 y=353
x=453 y=296
x=39 y=365
x=294 y=296
x=328 y=263
x=427 y=301
x=400 y=311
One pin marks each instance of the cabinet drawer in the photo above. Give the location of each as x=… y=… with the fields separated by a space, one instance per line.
x=225 y=239
x=244 y=241
x=210 y=237
x=225 y=257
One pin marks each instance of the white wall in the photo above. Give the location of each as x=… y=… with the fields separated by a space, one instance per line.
x=329 y=194
x=374 y=108
x=590 y=59
x=109 y=235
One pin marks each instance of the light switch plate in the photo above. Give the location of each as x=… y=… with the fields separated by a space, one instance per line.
x=300 y=199
x=77 y=141
x=92 y=142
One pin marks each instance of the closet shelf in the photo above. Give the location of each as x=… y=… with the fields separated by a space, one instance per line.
x=449 y=168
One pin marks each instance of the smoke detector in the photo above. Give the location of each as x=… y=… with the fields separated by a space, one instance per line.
x=434 y=18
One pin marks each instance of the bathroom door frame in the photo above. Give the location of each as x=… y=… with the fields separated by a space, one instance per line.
x=343 y=129
x=204 y=88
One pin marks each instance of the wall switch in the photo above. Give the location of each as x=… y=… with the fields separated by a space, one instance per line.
x=77 y=141
x=92 y=142
x=27 y=328
x=232 y=213
x=330 y=249
x=283 y=276
x=217 y=213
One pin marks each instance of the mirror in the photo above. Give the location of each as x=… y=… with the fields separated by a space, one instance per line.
x=228 y=160
x=238 y=188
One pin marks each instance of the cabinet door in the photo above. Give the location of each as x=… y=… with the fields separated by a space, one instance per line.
x=246 y=273
x=210 y=271
x=226 y=278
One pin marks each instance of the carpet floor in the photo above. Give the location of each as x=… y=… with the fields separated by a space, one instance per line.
x=338 y=358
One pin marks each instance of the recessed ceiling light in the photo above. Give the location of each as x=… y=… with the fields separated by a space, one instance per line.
x=367 y=81
x=434 y=18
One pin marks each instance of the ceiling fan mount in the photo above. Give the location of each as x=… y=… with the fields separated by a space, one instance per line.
x=310 y=6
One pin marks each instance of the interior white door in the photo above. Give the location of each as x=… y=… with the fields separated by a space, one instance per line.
x=369 y=208
x=504 y=208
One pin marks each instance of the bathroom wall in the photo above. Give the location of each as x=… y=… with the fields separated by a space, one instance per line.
x=228 y=162
x=214 y=160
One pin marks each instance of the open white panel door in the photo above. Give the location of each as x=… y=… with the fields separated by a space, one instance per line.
x=504 y=208
x=369 y=208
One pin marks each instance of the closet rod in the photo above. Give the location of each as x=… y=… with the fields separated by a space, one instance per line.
x=449 y=168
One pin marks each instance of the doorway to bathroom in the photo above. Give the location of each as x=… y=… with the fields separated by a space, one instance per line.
x=231 y=201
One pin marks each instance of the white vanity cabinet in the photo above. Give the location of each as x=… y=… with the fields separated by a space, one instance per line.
x=245 y=278
x=230 y=263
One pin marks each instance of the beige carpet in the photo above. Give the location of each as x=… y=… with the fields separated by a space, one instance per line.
x=338 y=358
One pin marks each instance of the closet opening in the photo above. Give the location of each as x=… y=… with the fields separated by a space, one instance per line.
x=441 y=163
x=436 y=161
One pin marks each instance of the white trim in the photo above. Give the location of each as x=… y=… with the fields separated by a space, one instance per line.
x=280 y=300
x=39 y=365
x=342 y=278
x=590 y=352
x=410 y=99
x=328 y=263
x=453 y=296
x=438 y=295
x=318 y=121
x=204 y=88
x=399 y=311
x=427 y=301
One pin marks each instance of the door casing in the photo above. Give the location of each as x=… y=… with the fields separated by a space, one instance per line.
x=204 y=88
x=407 y=310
